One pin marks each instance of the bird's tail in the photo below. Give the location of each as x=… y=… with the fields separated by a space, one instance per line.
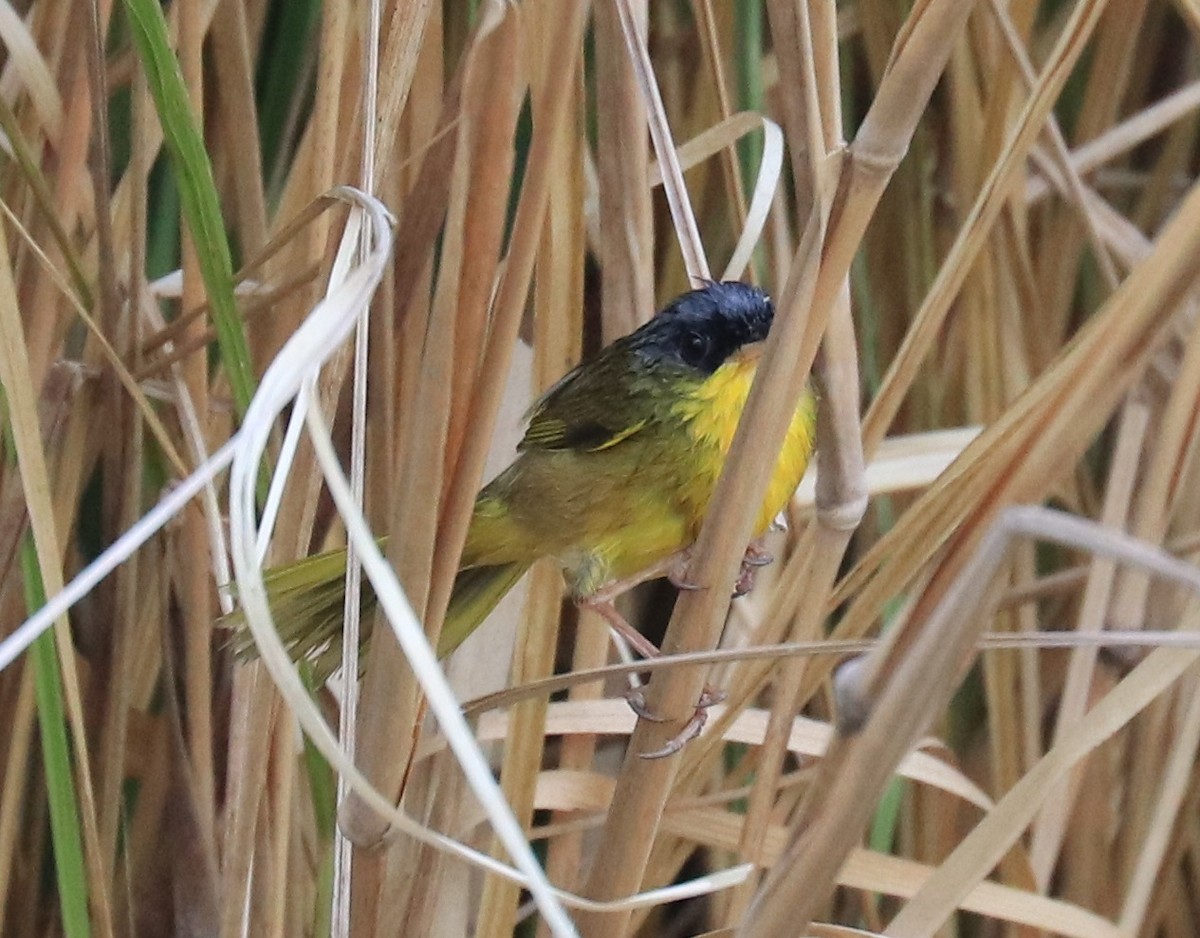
x=476 y=592
x=308 y=604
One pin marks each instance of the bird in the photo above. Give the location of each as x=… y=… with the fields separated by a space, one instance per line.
x=612 y=479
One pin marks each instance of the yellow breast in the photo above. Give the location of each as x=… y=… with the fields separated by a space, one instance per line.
x=711 y=415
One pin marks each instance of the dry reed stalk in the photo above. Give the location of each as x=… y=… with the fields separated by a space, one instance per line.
x=424 y=151
x=682 y=215
x=197 y=605
x=1164 y=472
x=508 y=304
x=643 y=785
x=985 y=210
x=1093 y=612
x=1054 y=397
x=523 y=755
x=841 y=497
x=235 y=89
x=1020 y=281
x=834 y=852
x=888 y=730
x=420 y=480
x=977 y=853
x=626 y=246
x=476 y=217
x=122 y=501
x=1074 y=187
x=1124 y=136
x=646 y=787
x=841 y=502
x=1165 y=242
x=711 y=47
x=559 y=290
x=22 y=412
x=1114 y=58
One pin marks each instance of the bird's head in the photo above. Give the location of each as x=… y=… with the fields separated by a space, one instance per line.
x=703 y=329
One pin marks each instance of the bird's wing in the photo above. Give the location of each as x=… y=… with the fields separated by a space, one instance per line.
x=589 y=409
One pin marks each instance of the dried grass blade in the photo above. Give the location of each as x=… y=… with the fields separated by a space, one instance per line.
x=682 y=214
x=1176 y=778
x=34 y=71
x=293 y=370
x=978 y=853
x=874 y=872
x=1123 y=137
x=1052 y=820
x=983 y=215
x=1011 y=461
x=720 y=138
x=421 y=556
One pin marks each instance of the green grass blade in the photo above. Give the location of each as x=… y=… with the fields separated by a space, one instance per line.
x=65 y=831
x=285 y=77
x=197 y=190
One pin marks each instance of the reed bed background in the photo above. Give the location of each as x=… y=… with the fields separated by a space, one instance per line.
x=982 y=239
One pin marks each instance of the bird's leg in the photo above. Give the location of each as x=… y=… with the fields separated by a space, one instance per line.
x=603 y=605
x=601 y=602
x=756 y=556
x=673 y=567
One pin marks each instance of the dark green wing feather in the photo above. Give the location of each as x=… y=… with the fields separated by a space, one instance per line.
x=589 y=409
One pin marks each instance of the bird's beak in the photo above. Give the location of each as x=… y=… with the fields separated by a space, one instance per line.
x=750 y=352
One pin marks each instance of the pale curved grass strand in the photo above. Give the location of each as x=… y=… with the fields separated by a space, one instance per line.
x=342 y=262
x=769 y=168
x=714 y=140
x=682 y=215
x=808 y=738
x=115 y=555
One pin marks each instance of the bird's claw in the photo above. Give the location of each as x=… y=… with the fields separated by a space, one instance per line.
x=678 y=573
x=754 y=558
x=691 y=729
x=745 y=582
x=637 y=703
x=757 y=557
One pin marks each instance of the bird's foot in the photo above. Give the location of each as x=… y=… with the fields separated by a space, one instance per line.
x=754 y=558
x=637 y=703
x=601 y=602
x=691 y=729
x=679 y=570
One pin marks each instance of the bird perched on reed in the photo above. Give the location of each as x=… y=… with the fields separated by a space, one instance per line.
x=612 y=479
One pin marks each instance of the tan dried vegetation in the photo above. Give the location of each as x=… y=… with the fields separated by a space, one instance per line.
x=985 y=238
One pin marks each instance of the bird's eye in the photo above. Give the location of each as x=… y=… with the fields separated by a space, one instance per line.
x=695 y=348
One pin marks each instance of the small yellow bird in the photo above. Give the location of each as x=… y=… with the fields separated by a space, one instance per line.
x=612 y=479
